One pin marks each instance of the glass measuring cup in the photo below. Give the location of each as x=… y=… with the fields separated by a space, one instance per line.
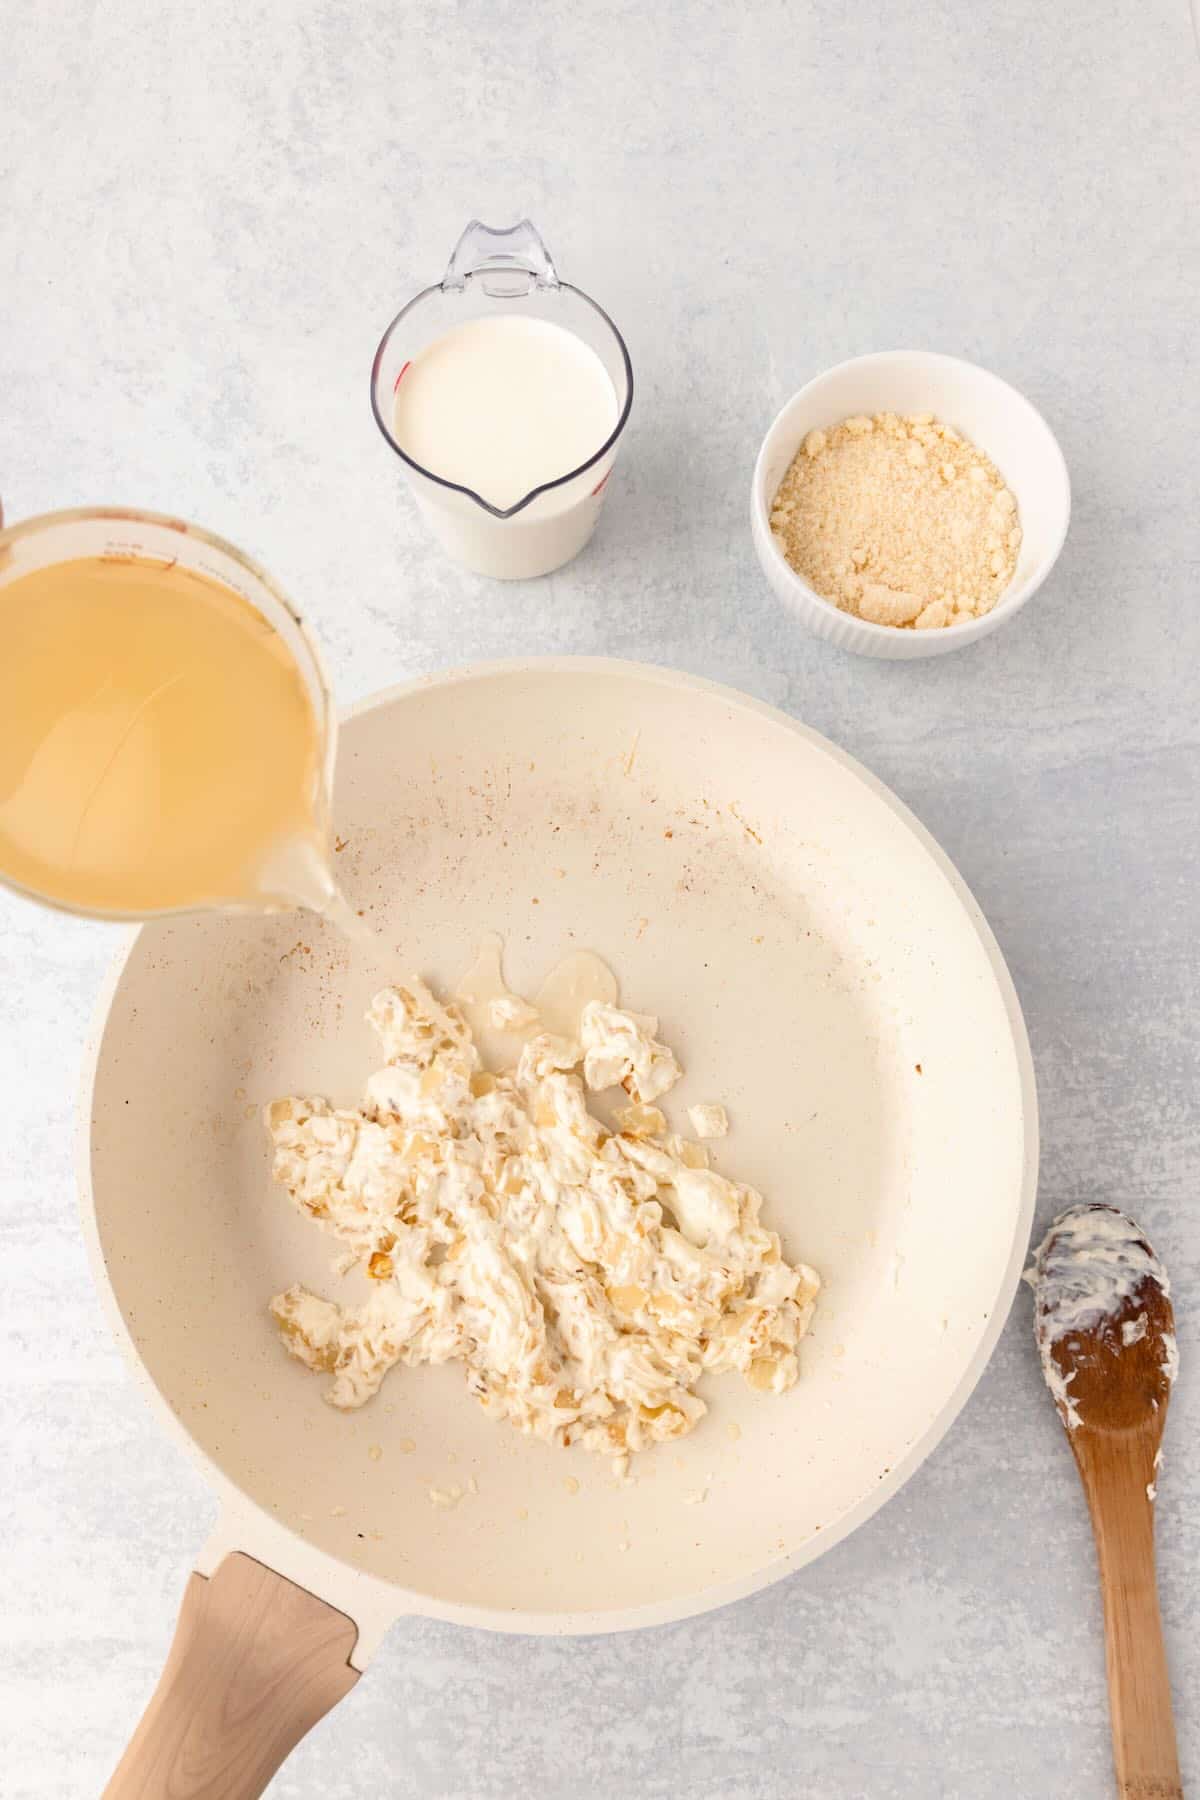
x=291 y=872
x=495 y=273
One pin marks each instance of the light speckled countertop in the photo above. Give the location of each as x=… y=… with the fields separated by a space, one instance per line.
x=206 y=217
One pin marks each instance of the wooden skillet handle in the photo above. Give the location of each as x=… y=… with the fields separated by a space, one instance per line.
x=1139 y=1687
x=255 y=1662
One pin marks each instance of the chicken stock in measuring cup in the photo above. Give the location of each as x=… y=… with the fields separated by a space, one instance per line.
x=166 y=730
x=505 y=392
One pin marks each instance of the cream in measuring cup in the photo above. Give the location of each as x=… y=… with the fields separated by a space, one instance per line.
x=505 y=392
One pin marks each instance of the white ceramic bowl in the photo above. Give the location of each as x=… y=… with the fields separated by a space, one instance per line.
x=1001 y=422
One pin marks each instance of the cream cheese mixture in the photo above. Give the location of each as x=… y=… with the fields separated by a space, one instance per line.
x=585 y=1277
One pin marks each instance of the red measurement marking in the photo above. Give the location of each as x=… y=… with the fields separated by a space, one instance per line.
x=599 y=487
x=400 y=376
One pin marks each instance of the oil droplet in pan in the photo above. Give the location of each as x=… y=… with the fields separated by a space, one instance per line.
x=557 y=1007
x=569 y=987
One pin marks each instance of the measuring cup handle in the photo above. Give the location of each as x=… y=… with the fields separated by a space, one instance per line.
x=255 y=1662
x=506 y=261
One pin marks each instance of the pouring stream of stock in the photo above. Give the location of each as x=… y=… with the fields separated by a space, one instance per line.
x=1105 y=1329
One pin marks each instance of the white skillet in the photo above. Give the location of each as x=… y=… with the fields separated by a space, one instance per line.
x=820 y=968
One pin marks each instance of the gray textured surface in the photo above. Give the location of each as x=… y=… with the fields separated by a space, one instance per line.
x=206 y=216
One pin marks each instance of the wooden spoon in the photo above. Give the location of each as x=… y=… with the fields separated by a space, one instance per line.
x=1105 y=1328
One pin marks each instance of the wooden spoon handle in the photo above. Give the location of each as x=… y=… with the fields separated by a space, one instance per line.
x=1115 y=1477
x=255 y=1662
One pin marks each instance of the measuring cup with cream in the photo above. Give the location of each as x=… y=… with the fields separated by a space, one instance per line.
x=504 y=391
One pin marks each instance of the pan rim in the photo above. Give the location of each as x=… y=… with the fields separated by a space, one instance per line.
x=340 y=1581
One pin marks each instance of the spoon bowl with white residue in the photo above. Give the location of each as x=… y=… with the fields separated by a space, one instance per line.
x=1105 y=1330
